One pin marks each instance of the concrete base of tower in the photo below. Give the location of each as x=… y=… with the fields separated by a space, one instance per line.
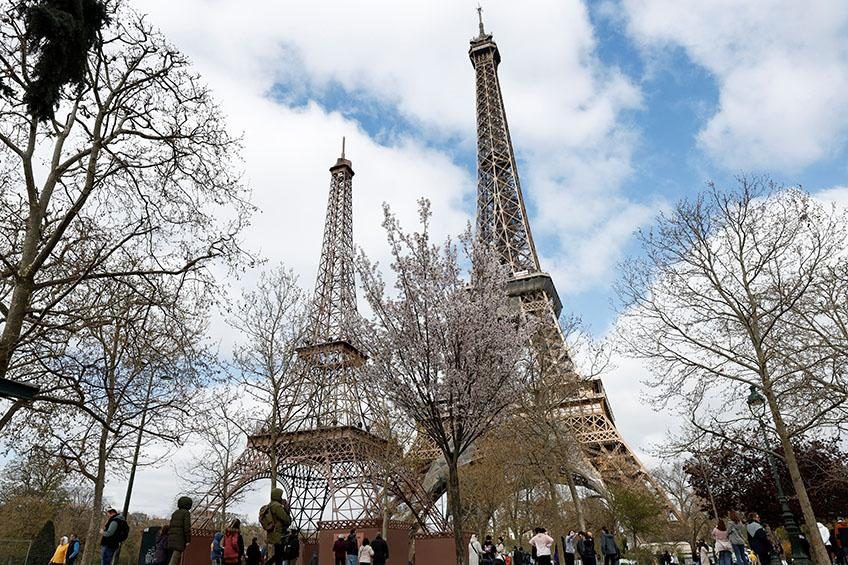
x=397 y=537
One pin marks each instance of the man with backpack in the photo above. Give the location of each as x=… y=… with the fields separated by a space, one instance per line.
x=114 y=533
x=179 y=530
x=274 y=519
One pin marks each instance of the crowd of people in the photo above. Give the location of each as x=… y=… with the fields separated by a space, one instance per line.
x=736 y=541
x=741 y=542
x=578 y=546
x=349 y=551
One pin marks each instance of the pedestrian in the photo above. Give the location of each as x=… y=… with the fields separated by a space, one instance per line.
x=587 y=549
x=275 y=520
x=500 y=551
x=233 y=544
x=339 y=550
x=665 y=558
x=254 y=553
x=291 y=547
x=475 y=550
x=216 y=549
x=609 y=549
x=179 y=532
x=825 y=536
x=723 y=547
x=352 y=548
x=542 y=542
x=517 y=555
x=160 y=548
x=759 y=539
x=366 y=552
x=568 y=545
x=703 y=552
x=736 y=533
x=61 y=552
x=73 y=549
x=114 y=532
x=840 y=535
x=488 y=557
x=381 y=550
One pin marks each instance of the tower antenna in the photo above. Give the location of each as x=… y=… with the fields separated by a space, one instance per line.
x=343 y=147
x=480 y=17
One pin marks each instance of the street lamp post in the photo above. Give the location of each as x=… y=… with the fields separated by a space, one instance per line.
x=138 y=440
x=757 y=406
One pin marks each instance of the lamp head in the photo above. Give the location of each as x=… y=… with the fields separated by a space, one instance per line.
x=756 y=402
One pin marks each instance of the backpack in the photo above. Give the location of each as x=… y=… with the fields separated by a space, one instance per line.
x=123 y=531
x=231 y=547
x=266 y=518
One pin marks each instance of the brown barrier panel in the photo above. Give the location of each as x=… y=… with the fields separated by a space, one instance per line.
x=197 y=552
x=437 y=549
x=397 y=537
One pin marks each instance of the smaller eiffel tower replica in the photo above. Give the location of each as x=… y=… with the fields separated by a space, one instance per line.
x=327 y=454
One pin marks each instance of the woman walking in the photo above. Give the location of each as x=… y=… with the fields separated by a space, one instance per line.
x=723 y=547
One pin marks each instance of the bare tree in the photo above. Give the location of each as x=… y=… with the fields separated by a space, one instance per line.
x=693 y=521
x=133 y=176
x=221 y=439
x=446 y=352
x=271 y=321
x=131 y=374
x=722 y=299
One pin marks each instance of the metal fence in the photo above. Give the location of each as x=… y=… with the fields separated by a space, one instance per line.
x=14 y=551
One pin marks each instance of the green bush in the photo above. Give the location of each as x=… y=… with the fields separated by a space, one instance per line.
x=43 y=546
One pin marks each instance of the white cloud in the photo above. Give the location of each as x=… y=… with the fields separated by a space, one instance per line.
x=781 y=68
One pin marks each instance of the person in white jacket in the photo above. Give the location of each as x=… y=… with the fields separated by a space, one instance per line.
x=474 y=550
x=366 y=552
x=542 y=542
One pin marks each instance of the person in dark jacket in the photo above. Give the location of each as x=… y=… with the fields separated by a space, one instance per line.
x=587 y=548
x=160 y=550
x=609 y=548
x=381 y=550
x=73 y=550
x=292 y=547
x=254 y=554
x=352 y=548
x=110 y=540
x=758 y=538
x=340 y=551
x=179 y=531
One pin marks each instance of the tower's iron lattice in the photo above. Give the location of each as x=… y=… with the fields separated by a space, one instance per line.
x=502 y=220
x=329 y=456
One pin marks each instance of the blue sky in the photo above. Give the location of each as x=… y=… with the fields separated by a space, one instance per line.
x=618 y=108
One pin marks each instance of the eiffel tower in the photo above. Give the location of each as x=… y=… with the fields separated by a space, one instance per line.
x=327 y=451
x=502 y=220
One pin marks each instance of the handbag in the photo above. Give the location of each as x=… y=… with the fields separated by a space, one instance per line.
x=723 y=545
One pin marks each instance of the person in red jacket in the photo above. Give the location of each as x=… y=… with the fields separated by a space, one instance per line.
x=340 y=550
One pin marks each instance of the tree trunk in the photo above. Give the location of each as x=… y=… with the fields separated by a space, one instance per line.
x=92 y=540
x=818 y=550
x=455 y=509
x=578 y=504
